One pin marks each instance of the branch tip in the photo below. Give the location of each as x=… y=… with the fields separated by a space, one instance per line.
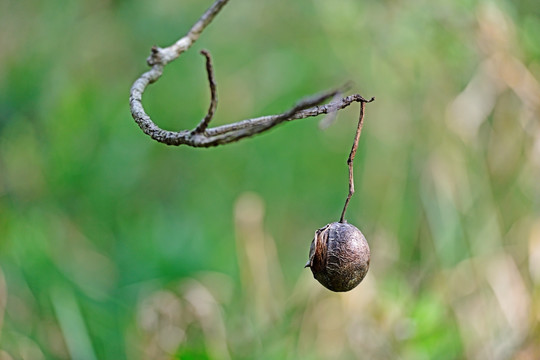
x=201 y=128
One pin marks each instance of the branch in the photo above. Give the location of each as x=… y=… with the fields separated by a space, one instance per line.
x=213 y=94
x=202 y=136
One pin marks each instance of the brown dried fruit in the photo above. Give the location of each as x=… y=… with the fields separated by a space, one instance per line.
x=339 y=256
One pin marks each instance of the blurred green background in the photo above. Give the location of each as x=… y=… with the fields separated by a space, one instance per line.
x=113 y=246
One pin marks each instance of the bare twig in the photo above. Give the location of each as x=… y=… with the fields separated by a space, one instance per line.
x=352 y=155
x=202 y=136
x=213 y=95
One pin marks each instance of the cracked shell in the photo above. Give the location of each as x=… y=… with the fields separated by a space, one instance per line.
x=339 y=256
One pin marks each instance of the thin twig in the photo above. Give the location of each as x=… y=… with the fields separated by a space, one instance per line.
x=352 y=155
x=213 y=94
x=202 y=136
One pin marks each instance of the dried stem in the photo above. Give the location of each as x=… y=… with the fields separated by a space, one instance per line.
x=352 y=155
x=202 y=136
x=213 y=94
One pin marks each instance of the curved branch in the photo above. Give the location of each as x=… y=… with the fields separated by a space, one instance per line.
x=213 y=95
x=202 y=136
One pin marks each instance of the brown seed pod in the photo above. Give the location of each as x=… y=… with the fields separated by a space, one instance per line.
x=339 y=256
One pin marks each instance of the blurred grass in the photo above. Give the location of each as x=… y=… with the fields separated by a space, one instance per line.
x=114 y=247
